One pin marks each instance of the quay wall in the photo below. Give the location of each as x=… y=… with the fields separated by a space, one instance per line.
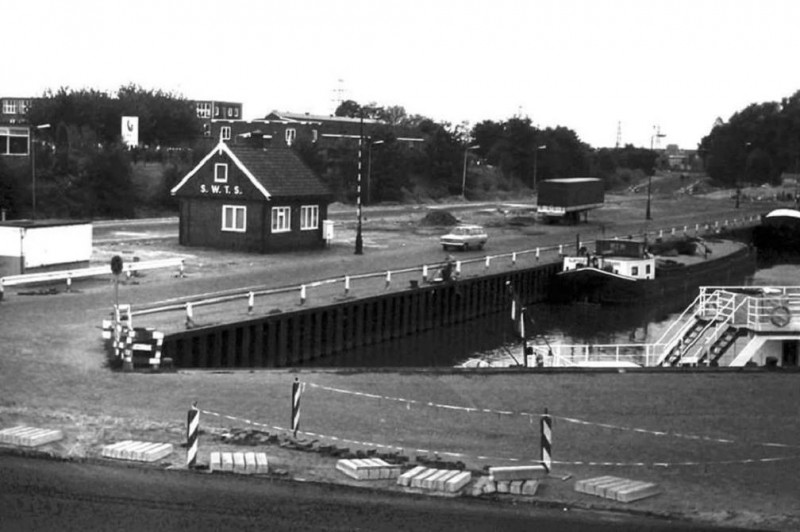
x=295 y=338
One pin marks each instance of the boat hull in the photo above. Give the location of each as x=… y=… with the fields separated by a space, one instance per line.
x=595 y=286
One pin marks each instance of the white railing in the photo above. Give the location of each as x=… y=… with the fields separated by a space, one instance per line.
x=428 y=272
x=67 y=276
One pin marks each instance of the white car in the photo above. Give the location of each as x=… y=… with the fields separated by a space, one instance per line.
x=465 y=237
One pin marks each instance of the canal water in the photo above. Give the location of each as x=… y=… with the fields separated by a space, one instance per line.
x=492 y=340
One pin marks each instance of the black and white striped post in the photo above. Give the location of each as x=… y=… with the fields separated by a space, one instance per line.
x=546 y=425
x=295 y=406
x=192 y=426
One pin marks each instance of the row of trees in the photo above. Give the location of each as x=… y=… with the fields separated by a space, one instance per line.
x=84 y=171
x=756 y=145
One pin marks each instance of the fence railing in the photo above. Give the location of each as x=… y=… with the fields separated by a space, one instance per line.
x=428 y=273
x=68 y=276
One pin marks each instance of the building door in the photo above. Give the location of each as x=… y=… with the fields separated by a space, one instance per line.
x=789 y=353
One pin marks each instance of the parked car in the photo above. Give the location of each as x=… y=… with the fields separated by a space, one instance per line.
x=465 y=237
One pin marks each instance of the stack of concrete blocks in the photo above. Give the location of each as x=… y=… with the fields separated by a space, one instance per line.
x=249 y=463
x=513 y=480
x=426 y=478
x=139 y=451
x=618 y=489
x=368 y=468
x=29 y=436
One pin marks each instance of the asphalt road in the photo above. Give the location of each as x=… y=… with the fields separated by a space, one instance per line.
x=44 y=494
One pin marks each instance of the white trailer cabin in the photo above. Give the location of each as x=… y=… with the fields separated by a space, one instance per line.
x=28 y=246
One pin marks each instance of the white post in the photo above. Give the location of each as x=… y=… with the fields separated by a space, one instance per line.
x=346 y=284
x=424 y=273
x=514 y=258
x=388 y=279
x=302 y=294
x=458 y=267
x=537 y=253
x=251 y=299
x=488 y=261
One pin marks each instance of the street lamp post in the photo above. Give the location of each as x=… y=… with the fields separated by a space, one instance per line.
x=33 y=167
x=359 y=239
x=536 y=162
x=649 y=186
x=464 y=175
x=369 y=169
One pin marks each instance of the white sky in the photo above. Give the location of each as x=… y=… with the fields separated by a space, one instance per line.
x=583 y=64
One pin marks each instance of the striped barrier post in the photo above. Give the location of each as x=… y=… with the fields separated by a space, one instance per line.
x=251 y=299
x=424 y=273
x=189 y=315
x=547 y=440
x=302 y=294
x=295 y=406
x=192 y=426
x=346 y=284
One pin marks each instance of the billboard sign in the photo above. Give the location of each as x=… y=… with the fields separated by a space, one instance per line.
x=130 y=131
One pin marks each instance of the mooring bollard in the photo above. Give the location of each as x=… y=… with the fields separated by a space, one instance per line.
x=547 y=440
x=189 y=316
x=302 y=294
x=295 y=406
x=251 y=299
x=192 y=426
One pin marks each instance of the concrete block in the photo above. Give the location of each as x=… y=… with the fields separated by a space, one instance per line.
x=478 y=486
x=417 y=481
x=441 y=482
x=604 y=490
x=137 y=451
x=515 y=487
x=239 y=463
x=490 y=487
x=530 y=487
x=616 y=488
x=517 y=472
x=347 y=467
x=250 y=462
x=588 y=485
x=215 y=462
x=29 y=436
x=405 y=478
x=262 y=464
x=503 y=486
x=458 y=482
x=227 y=462
x=430 y=482
x=635 y=491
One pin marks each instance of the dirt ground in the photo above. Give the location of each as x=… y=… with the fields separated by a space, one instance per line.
x=722 y=445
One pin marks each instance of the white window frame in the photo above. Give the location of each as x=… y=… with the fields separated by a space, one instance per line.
x=229 y=217
x=281 y=219
x=309 y=217
x=10 y=107
x=290 y=135
x=225 y=133
x=204 y=110
x=217 y=168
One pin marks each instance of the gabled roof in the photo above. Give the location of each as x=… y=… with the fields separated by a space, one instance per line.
x=301 y=117
x=274 y=171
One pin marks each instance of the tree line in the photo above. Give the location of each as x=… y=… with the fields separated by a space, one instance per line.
x=84 y=171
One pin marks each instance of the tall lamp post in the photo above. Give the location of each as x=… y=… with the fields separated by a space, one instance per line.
x=369 y=169
x=464 y=174
x=649 y=185
x=33 y=166
x=536 y=162
x=359 y=239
